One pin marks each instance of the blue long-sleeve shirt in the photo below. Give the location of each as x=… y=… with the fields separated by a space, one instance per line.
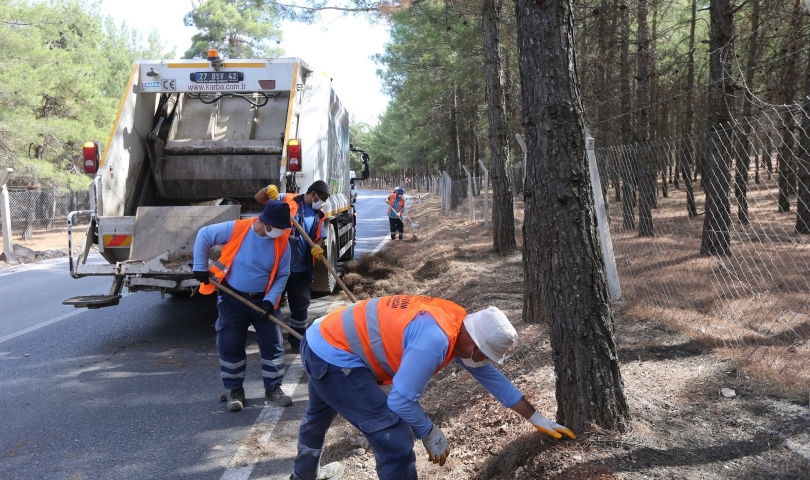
x=424 y=349
x=301 y=259
x=252 y=264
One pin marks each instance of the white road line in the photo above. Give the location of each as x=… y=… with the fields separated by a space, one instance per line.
x=378 y=247
x=245 y=458
x=41 y=325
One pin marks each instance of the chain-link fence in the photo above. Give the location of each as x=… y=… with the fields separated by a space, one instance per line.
x=39 y=217
x=740 y=279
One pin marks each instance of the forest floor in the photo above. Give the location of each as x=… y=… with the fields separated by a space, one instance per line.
x=681 y=426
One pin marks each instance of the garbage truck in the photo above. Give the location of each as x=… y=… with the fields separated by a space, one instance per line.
x=192 y=143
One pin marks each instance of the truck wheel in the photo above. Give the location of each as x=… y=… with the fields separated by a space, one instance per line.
x=324 y=281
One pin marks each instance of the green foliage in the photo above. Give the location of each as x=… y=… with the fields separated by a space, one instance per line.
x=64 y=71
x=435 y=48
x=237 y=28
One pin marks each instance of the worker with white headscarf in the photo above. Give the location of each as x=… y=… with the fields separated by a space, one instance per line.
x=401 y=340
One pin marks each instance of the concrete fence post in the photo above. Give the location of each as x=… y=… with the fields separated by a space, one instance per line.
x=5 y=212
x=470 y=193
x=486 y=193
x=611 y=272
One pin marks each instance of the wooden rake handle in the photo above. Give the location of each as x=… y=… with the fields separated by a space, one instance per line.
x=254 y=307
x=325 y=262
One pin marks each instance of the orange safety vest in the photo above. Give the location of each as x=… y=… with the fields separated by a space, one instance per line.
x=221 y=265
x=290 y=199
x=391 y=202
x=373 y=329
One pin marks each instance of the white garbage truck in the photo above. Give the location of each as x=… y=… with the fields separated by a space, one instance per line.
x=192 y=143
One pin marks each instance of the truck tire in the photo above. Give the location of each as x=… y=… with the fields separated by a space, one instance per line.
x=324 y=281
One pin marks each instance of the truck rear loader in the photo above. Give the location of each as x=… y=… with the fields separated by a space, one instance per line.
x=192 y=143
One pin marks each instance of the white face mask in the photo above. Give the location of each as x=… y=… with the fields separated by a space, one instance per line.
x=274 y=233
x=473 y=364
x=318 y=205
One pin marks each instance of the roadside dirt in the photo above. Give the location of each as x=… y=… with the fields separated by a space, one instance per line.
x=681 y=426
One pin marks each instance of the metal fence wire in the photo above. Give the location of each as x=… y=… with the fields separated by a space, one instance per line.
x=37 y=211
x=754 y=296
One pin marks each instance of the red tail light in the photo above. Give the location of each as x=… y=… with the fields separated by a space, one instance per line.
x=294 y=155
x=91 y=156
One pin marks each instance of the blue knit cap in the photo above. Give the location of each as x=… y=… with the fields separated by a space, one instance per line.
x=276 y=214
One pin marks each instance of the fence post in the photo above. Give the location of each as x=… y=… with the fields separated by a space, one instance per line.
x=486 y=193
x=442 y=189
x=470 y=193
x=522 y=147
x=612 y=273
x=448 y=186
x=5 y=213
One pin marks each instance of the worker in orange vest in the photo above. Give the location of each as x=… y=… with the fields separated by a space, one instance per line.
x=396 y=205
x=307 y=210
x=401 y=340
x=255 y=263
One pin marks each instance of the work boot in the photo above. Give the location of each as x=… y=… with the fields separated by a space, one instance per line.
x=332 y=471
x=393 y=236
x=278 y=397
x=400 y=236
x=237 y=400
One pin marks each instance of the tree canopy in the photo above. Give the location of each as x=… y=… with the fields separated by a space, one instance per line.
x=64 y=71
x=237 y=28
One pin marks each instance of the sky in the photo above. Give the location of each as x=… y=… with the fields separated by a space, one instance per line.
x=340 y=46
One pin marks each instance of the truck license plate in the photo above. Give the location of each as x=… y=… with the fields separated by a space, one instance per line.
x=217 y=77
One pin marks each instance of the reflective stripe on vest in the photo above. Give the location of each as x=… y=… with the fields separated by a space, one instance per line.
x=373 y=329
x=221 y=266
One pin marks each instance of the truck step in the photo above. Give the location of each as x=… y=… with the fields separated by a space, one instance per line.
x=92 y=301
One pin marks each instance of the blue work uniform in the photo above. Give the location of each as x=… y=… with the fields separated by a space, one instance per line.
x=302 y=269
x=339 y=382
x=248 y=276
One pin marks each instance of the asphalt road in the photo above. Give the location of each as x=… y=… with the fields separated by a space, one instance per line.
x=132 y=391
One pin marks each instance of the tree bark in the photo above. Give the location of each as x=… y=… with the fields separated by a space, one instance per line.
x=789 y=80
x=560 y=230
x=627 y=168
x=685 y=154
x=503 y=217
x=744 y=146
x=646 y=169
x=803 y=161
x=716 y=239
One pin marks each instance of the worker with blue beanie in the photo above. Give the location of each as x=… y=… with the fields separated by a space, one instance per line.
x=254 y=263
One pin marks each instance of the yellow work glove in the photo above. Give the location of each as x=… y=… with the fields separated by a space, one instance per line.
x=317 y=252
x=272 y=192
x=436 y=445
x=546 y=426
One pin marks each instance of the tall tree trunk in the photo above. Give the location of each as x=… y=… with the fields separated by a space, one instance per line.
x=646 y=168
x=560 y=222
x=686 y=151
x=744 y=149
x=503 y=217
x=789 y=81
x=716 y=239
x=803 y=161
x=627 y=167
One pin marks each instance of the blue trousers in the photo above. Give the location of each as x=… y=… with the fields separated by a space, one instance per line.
x=232 y=327
x=355 y=395
x=299 y=296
